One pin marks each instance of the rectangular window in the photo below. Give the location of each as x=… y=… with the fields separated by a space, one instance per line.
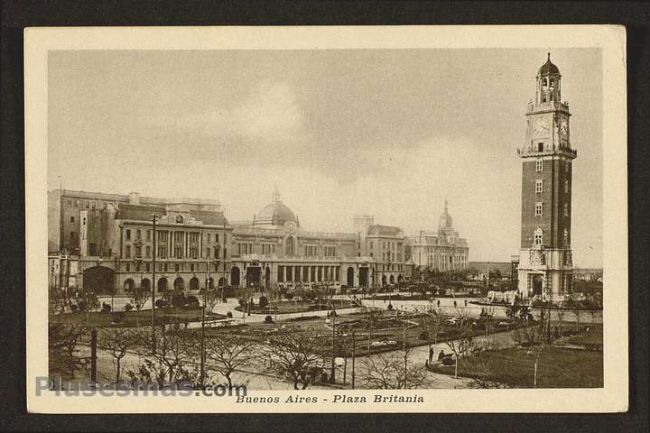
x=538 y=209
x=71 y=235
x=71 y=219
x=148 y=251
x=539 y=186
x=539 y=166
x=566 y=209
x=149 y=235
x=138 y=251
x=128 y=267
x=127 y=251
x=566 y=186
x=138 y=234
x=147 y=267
x=128 y=234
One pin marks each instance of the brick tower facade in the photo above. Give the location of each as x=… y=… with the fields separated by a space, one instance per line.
x=545 y=263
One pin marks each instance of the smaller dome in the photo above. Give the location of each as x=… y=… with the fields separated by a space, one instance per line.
x=275 y=213
x=548 y=67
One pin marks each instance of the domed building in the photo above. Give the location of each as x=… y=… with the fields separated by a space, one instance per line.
x=275 y=213
x=444 y=250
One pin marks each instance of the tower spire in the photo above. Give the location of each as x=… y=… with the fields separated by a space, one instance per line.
x=276 y=195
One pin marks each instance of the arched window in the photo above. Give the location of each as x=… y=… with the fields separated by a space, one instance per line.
x=566 y=238
x=290 y=247
x=538 y=237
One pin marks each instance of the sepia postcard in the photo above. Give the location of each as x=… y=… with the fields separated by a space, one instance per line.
x=326 y=219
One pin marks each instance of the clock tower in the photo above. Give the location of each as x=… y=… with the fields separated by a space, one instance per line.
x=545 y=263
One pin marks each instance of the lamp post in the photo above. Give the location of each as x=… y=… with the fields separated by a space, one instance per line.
x=154 y=218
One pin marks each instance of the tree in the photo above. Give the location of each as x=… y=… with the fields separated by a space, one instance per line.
x=431 y=324
x=464 y=343
x=228 y=352
x=388 y=371
x=172 y=362
x=295 y=355
x=117 y=341
x=87 y=300
x=62 y=347
x=211 y=298
x=139 y=297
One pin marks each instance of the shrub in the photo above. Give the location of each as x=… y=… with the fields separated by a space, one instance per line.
x=242 y=303
x=268 y=319
x=106 y=308
x=390 y=307
x=193 y=301
x=178 y=301
x=128 y=307
x=263 y=302
x=229 y=314
x=161 y=303
x=442 y=292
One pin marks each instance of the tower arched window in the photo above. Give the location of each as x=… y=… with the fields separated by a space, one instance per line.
x=538 y=237
x=566 y=237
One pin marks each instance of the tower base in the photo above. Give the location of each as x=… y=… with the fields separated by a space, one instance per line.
x=545 y=274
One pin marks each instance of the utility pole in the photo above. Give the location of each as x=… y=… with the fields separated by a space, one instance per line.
x=405 y=355
x=223 y=287
x=153 y=288
x=205 y=299
x=354 y=348
x=332 y=376
x=93 y=355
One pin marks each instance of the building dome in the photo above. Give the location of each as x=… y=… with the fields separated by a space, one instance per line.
x=275 y=213
x=548 y=67
x=446 y=221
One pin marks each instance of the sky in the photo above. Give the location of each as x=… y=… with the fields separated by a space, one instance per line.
x=390 y=133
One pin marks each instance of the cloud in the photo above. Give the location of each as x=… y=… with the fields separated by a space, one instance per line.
x=270 y=113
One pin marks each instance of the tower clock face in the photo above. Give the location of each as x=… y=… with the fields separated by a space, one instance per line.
x=540 y=127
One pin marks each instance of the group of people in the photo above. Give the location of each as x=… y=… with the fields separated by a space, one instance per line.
x=441 y=356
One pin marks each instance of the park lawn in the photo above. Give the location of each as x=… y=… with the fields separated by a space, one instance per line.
x=131 y=318
x=557 y=368
x=592 y=337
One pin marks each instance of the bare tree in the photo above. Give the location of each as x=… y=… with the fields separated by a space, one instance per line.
x=431 y=324
x=139 y=297
x=385 y=371
x=295 y=355
x=228 y=352
x=117 y=341
x=172 y=362
x=62 y=348
x=464 y=343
